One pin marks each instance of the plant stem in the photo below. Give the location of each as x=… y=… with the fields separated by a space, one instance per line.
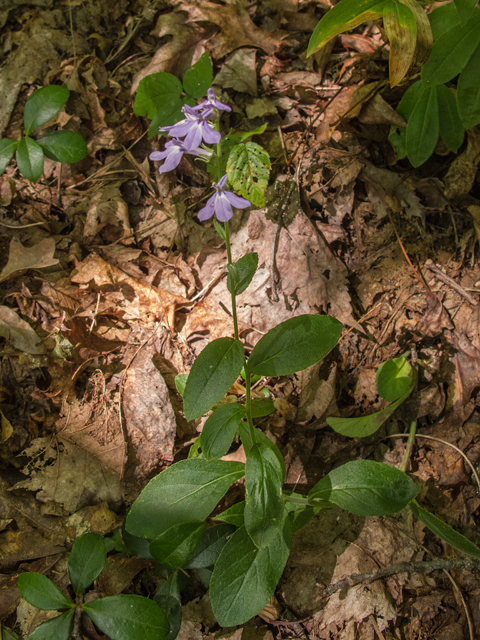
x=408 y=450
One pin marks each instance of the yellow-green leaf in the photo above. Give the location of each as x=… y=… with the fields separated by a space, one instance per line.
x=401 y=28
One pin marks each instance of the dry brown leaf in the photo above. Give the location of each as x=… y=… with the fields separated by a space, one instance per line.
x=461 y=173
x=378 y=111
x=37 y=257
x=435 y=318
x=19 y=333
x=108 y=209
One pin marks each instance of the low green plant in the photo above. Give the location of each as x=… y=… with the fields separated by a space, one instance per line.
x=123 y=617
x=445 y=45
x=61 y=146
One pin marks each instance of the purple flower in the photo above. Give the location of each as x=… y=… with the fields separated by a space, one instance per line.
x=221 y=203
x=174 y=150
x=194 y=128
x=212 y=102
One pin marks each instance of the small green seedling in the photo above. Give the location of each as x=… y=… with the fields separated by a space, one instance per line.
x=61 y=146
x=123 y=617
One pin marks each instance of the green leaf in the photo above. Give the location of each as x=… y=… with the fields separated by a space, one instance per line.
x=365 y=425
x=188 y=491
x=240 y=273
x=40 y=592
x=168 y=598
x=7 y=149
x=136 y=545
x=265 y=508
x=423 y=127
x=233 y=515
x=468 y=92
x=30 y=159
x=42 y=105
x=261 y=408
x=409 y=100
x=173 y=547
x=154 y=92
x=58 y=628
x=294 y=345
x=451 y=52
x=452 y=130
x=344 y=16
x=170 y=112
x=401 y=29
x=259 y=438
x=245 y=577
x=465 y=9
x=64 y=146
x=220 y=230
x=8 y=634
x=212 y=374
x=209 y=547
x=180 y=382
x=248 y=169
x=394 y=378
x=366 y=488
x=442 y=19
x=198 y=79
x=86 y=561
x=443 y=531
x=220 y=429
x=128 y=617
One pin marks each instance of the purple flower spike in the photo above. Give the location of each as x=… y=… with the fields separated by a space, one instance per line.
x=212 y=102
x=174 y=150
x=194 y=128
x=221 y=203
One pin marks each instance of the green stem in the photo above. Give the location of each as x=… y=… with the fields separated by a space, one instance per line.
x=408 y=450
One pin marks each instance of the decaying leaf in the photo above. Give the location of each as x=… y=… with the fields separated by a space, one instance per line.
x=37 y=257
x=461 y=173
x=19 y=333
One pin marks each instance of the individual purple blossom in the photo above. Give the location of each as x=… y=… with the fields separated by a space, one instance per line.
x=195 y=128
x=173 y=152
x=212 y=102
x=221 y=203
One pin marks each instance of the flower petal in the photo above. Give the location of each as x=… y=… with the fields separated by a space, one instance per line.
x=209 y=134
x=172 y=161
x=194 y=137
x=158 y=155
x=208 y=210
x=223 y=209
x=237 y=201
x=222 y=182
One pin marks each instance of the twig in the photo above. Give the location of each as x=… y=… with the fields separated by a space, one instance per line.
x=447 y=280
x=463 y=564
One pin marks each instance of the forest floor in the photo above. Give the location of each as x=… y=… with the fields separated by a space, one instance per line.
x=116 y=287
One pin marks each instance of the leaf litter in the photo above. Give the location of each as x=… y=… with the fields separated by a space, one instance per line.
x=118 y=288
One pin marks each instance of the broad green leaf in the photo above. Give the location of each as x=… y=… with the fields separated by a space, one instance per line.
x=443 y=531
x=344 y=16
x=452 y=131
x=188 y=491
x=452 y=51
x=58 y=628
x=170 y=112
x=7 y=149
x=394 y=378
x=248 y=169
x=168 y=598
x=209 y=547
x=366 y=488
x=442 y=19
x=198 y=79
x=136 y=545
x=423 y=127
x=30 y=159
x=173 y=547
x=128 y=617
x=233 y=515
x=261 y=408
x=409 y=100
x=245 y=577
x=240 y=273
x=265 y=508
x=64 y=146
x=154 y=92
x=42 y=105
x=468 y=92
x=259 y=438
x=294 y=345
x=211 y=376
x=220 y=429
x=180 y=382
x=39 y=591
x=401 y=29
x=86 y=561
x=465 y=9
x=227 y=143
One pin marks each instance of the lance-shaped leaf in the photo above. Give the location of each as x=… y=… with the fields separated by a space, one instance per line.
x=209 y=547
x=401 y=28
x=248 y=169
x=240 y=273
x=245 y=576
x=423 y=127
x=64 y=146
x=344 y=16
x=42 y=105
x=188 y=491
x=40 y=592
x=265 y=510
x=465 y=9
x=443 y=18
x=468 y=92
x=211 y=376
x=233 y=515
x=259 y=438
x=424 y=33
x=168 y=598
x=86 y=561
x=366 y=488
x=452 y=130
x=30 y=159
x=220 y=429
x=127 y=616
x=7 y=149
x=443 y=531
x=294 y=345
x=173 y=547
x=394 y=378
x=198 y=79
x=58 y=628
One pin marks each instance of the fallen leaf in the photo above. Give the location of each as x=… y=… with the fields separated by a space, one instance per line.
x=239 y=72
x=37 y=257
x=461 y=174
x=19 y=333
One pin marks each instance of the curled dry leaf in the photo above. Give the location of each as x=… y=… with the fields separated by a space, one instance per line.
x=37 y=257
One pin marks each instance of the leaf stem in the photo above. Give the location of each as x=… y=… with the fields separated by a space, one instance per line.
x=408 y=450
